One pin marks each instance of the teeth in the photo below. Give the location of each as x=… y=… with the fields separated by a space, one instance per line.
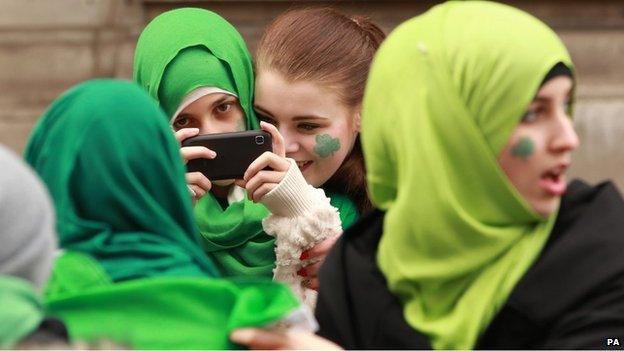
x=301 y=163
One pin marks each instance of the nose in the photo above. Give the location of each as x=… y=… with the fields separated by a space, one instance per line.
x=292 y=144
x=212 y=126
x=564 y=137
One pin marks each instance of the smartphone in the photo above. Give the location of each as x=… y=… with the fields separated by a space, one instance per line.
x=235 y=152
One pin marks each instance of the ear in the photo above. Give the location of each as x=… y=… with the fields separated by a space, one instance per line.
x=357 y=119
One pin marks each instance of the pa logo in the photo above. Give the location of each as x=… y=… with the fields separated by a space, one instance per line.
x=613 y=342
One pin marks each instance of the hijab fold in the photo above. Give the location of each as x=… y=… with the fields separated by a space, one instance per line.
x=445 y=92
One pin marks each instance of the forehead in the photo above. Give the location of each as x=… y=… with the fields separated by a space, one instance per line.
x=286 y=99
x=557 y=86
x=208 y=100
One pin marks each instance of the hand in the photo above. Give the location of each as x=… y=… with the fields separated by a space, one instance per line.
x=259 y=339
x=258 y=180
x=197 y=182
x=316 y=255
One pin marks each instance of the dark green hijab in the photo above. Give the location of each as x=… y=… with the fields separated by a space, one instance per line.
x=115 y=174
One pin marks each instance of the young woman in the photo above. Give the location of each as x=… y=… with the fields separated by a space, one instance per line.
x=133 y=270
x=311 y=68
x=467 y=138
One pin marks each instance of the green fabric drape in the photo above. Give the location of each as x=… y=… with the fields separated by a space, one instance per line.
x=115 y=174
x=20 y=310
x=159 y=312
x=445 y=92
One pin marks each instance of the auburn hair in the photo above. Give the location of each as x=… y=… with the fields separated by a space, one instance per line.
x=332 y=49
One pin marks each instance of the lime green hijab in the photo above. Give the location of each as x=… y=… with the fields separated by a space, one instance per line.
x=115 y=174
x=178 y=52
x=20 y=310
x=445 y=92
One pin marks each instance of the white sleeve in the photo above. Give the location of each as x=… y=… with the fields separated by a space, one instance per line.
x=301 y=216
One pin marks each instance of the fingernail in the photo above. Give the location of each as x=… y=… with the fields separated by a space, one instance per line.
x=213 y=154
x=241 y=336
x=302 y=272
x=304 y=255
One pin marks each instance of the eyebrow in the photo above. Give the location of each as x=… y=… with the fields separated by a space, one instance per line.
x=224 y=99
x=296 y=118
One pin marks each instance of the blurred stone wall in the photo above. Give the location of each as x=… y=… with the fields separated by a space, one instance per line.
x=47 y=46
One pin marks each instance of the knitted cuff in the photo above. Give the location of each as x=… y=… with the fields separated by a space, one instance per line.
x=293 y=196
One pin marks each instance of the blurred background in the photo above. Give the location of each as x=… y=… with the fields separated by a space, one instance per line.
x=46 y=46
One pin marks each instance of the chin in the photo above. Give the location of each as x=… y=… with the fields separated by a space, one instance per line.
x=546 y=209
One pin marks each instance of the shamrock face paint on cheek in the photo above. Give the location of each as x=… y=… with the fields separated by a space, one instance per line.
x=326 y=145
x=523 y=148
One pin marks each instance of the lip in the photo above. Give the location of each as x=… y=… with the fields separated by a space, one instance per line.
x=553 y=181
x=303 y=165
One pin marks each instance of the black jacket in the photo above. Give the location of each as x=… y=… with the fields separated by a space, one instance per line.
x=572 y=296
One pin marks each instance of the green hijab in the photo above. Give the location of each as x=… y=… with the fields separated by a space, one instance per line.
x=20 y=310
x=188 y=48
x=178 y=52
x=160 y=312
x=445 y=92
x=115 y=174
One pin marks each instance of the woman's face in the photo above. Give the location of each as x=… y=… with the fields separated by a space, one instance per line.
x=319 y=130
x=213 y=113
x=539 y=150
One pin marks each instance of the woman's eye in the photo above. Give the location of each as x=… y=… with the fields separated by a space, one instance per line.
x=224 y=107
x=181 y=122
x=308 y=126
x=529 y=116
x=265 y=118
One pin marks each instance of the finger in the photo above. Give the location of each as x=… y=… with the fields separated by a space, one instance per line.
x=279 y=147
x=267 y=159
x=263 y=177
x=185 y=133
x=199 y=192
x=319 y=249
x=198 y=179
x=240 y=182
x=262 y=190
x=310 y=283
x=194 y=152
x=310 y=271
x=257 y=339
x=314 y=284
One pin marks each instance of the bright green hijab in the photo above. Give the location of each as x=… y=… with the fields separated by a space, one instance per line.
x=178 y=52
x=160 y=312
x=445 y=92
x=115 y=174
x=184 y=49
x=20 y=310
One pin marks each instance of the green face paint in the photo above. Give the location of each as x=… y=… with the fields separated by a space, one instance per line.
x=326 y=145
x=523 y=148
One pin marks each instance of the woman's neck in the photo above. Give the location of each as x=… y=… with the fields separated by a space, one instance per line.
x=221 y=191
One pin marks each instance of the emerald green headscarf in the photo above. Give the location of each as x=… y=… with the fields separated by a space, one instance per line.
x=445 y=92
x=115 y=174
x=160 y=312
x=178 y=52
x=20 y=310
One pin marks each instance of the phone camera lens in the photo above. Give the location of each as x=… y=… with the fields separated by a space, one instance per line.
x=259 y=139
